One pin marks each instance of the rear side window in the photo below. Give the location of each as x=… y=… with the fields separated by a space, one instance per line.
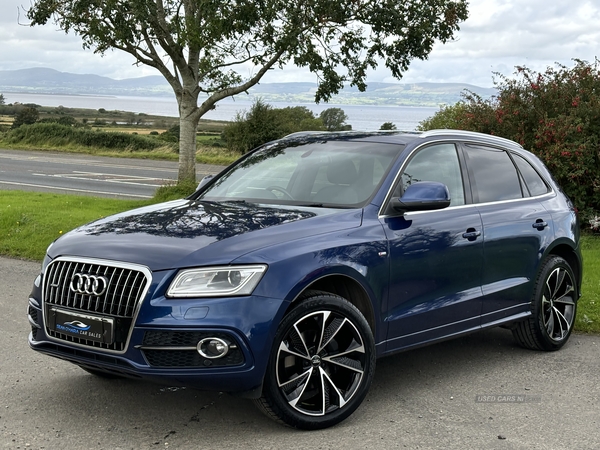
x=534 y=182
x=493 y=175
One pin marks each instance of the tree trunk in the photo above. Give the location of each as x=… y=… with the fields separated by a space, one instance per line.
x=189 y=116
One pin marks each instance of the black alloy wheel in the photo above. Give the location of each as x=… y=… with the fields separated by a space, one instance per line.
x=321 y=365
x=554 y=308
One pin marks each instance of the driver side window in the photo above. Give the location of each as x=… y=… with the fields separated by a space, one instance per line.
x=436 y=163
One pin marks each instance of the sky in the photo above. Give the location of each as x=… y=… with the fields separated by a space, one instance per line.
x=497 y=36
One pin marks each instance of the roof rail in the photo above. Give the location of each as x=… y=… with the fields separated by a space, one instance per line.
x=467 y=134
x=304 y=133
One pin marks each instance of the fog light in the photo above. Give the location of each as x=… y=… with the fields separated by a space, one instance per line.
x=212 y=348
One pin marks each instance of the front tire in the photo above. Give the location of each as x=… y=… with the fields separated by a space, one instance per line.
x=321 y=364
x=554 y=307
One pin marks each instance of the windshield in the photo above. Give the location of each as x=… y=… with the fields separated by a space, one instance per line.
x=331 y=173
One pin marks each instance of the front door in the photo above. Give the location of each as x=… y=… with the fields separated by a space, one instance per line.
x=436 y=257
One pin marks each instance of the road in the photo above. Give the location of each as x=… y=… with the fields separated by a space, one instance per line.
x=476 y=392
x=69 y=173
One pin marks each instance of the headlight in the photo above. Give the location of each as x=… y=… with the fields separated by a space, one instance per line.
x=216 y=281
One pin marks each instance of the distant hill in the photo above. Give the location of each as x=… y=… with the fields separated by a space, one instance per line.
x=50 y=81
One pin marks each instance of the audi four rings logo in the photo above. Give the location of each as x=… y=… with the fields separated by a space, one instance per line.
x=89 y=284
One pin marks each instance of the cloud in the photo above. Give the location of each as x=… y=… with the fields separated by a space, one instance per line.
x=497 y=36
x=500 y=35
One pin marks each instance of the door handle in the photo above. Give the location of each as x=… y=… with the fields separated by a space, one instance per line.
x=539 y=224
x=471 y=234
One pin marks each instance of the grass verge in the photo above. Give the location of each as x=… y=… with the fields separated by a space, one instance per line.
x=29 y=222
x=588 y=312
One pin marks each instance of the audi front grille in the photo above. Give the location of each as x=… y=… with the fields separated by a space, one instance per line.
x=96 y=289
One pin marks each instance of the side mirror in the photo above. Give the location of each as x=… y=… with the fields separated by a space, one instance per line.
x=204 y=181
x=422 y=196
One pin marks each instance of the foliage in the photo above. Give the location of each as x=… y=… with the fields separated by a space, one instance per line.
x=171 y=135
x=2 y=101
x=334 y=119
x=555 y=114
x=26 y=116
x=64 y=135
x=211 y=50
x=174 y=191
x=448 y=117
x=594 y=224
x=264 y=123
x=62 y=120
x=388 y=126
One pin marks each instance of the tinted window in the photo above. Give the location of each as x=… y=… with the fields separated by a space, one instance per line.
x=493 y=175
x=534 y=182
x=436 y=163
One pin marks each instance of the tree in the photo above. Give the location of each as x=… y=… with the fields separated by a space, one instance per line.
x=25 y=116
x=2 y=101
x=334 y=119
x=388 y=126
x=263 y=123
x=208 y=50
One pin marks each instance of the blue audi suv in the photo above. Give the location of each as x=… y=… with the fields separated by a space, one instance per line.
x=285 y=277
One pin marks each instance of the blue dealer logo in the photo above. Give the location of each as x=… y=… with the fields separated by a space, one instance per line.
x=74 y=327
x=79 y=325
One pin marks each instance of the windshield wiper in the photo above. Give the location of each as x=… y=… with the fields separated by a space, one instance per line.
x=238 y=201
x=312 y=205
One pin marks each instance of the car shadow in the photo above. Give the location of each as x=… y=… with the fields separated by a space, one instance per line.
x=146 y=415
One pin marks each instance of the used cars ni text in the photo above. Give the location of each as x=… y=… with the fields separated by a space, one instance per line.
x=286 y=276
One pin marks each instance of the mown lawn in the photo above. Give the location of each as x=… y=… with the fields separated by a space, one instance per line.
x=588 y=314
x=30 y=221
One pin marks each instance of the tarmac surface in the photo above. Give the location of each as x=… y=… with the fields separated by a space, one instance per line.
x=476 y=392
x=79 y=174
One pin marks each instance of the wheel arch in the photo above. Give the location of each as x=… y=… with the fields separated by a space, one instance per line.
x=569 y=254
x=346 y=287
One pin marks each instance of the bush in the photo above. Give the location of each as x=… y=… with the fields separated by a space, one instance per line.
x=63 y=120
x=334 y=119
x=171 y=135
x=26 y=116
x=448 y=117
x=55 y=134
x=263 y=123
x=555 y=114
x=169 y=192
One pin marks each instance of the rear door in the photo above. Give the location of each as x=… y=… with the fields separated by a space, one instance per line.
x=516 y=228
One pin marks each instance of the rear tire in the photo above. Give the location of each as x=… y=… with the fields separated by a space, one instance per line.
x=321 y=364
x=554 y=306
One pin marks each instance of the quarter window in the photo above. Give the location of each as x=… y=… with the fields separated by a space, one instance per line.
x=534 y=182
x=493 y=175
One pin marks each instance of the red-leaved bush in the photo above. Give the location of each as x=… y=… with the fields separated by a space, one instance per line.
x=554 y=114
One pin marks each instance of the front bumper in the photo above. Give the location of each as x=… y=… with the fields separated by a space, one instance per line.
x=162 y=344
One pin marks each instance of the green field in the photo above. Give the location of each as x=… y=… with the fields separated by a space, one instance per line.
x=29 y=222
